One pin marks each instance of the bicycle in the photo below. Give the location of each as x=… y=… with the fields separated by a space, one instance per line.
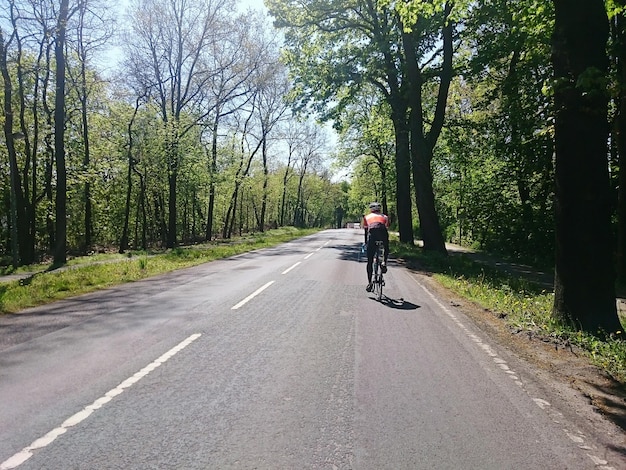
x=378 y=280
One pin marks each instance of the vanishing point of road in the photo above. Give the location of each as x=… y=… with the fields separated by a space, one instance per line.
x=276 y=359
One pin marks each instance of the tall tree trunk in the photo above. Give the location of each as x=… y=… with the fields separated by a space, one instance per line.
x=88 y=216
x=27 y=214
x=16 y=196
x=172 y=151
x=424 y=195
x=265 y=183
x=620 y=39
x=584 y=278
x=160 y=217
x=172 y=209
x=396 y=97
x=213 y=175
x=403 y=174
x=129 y=190
x=60 y=255
x=514 y=114
x=87 y=189
x=422 y=144
x=298 y=214
x=241 y=173
x=49 y=151
x=129 y=179
x=283 y=199
x=142 y=214
x=229 y=221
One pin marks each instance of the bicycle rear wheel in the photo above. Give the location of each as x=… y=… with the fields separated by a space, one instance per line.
x=378 y=283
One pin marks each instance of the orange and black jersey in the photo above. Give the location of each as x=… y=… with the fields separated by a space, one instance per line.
x=375 y=220
x=376 y=224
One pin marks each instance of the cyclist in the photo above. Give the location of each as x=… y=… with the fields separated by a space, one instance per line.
x=375 y=224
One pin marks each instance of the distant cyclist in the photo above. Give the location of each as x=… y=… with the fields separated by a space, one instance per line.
x=375 y=224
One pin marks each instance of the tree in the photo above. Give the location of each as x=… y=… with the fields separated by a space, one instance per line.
x=294 y=135
x=246 y=153
x=237 y=58
x=91 y=33
x=499 y=132
x=32 y=36
x=60 y=252
x=273 y=87
x=584 y=280
x=167 y=54
x=129 y=180
x=310 y=154
x=416 y=34
x=367 y=143
x=334 y=49
x=9 y=138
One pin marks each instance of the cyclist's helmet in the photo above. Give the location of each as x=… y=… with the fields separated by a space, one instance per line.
x=375 y=207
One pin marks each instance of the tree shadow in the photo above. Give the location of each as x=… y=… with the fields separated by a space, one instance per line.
x=610 y=399
x=349 y=250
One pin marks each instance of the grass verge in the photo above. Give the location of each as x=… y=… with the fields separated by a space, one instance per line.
x=91 y=273
x=521 y=304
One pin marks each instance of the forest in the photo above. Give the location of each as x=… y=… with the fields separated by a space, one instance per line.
x=493 y=124
x=185 y=138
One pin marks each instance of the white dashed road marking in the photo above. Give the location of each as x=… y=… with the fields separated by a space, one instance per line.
x=289 y=269
x=261 y=289
x=19 y=458
x=251 y=296
x=27 y=452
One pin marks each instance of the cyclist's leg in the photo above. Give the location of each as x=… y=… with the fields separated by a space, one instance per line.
x=371 y=249
x=386 y=245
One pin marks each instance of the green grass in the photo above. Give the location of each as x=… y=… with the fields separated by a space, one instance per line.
x=521 y=304
x=91 y=273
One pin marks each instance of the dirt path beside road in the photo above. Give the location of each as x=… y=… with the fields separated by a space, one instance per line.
x=543 y=278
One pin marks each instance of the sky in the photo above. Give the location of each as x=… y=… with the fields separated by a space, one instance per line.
x=113 y=55
x=256 y=4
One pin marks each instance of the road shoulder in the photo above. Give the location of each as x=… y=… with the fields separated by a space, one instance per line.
x=598 y=401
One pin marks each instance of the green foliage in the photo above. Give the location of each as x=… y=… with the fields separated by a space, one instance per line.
x=413 y=11
x=615 y=7
x=493 y=167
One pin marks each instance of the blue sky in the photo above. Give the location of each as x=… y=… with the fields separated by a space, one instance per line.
x=256 y=4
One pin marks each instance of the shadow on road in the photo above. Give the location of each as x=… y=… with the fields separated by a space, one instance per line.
x=399 y=304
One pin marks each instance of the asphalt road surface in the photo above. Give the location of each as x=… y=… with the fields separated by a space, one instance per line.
x=276 y=359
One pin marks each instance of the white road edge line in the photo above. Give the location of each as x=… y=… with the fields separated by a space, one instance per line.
x=27 y=452
x=543 y=404
x=289 y=269
x=250 y=297
x=309 y=255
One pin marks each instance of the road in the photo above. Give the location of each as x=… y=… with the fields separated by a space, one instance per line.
x=276 y=359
